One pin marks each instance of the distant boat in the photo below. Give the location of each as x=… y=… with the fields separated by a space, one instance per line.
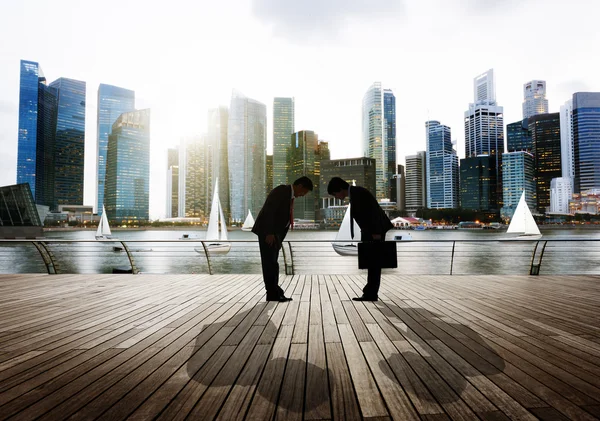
x=216 y=233
x=470 y=225
x=349 y=248
x=248 y=223
x=522 y=222
x=103 y=232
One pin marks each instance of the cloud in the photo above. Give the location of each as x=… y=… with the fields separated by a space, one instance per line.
x=316 y=20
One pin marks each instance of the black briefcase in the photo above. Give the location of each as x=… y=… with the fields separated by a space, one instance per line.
x=377 y=254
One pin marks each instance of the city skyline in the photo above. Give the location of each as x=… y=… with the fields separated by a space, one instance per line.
x=327 y=96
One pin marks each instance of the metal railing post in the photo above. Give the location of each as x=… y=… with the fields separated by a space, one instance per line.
x=289 y=268
x=134 y=269
x=452 y=257
x=48 y=260
x=210 y=272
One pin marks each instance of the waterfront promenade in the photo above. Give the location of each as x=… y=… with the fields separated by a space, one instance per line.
x=167 y=347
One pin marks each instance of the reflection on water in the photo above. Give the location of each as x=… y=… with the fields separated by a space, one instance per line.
x=179 y=256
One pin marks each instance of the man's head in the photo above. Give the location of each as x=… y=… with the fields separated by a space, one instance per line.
x=338 y=188
x=302 y=186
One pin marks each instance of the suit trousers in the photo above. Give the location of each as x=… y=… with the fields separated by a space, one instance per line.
x=373 y=273
x=270 y=266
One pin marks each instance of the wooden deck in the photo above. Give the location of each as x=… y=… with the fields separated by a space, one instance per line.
x=143 y=347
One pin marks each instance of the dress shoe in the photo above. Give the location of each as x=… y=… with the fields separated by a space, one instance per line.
x=363 y=298
x=281 y=299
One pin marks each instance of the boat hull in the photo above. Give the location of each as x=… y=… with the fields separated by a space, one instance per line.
x=345 y=249
x=246 y=229
x=215 y=248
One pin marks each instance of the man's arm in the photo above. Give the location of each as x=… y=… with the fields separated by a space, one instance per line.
x=271 y=208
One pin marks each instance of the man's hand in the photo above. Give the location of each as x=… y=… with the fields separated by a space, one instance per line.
x=271 y=240
x=376 y=236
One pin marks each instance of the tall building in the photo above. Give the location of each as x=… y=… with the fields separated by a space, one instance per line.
x=478 y=182
x=218 y=119
x=30 y=78
x=561 y=191
x=247 y=143
x=416 y=181
x=586 y=141
x=535 y=101
x=389 y=128
x=379 y=135
x=126 y=190
x=484 y=131
x=399 y=188
x=172 y=210
x=46 y=146
x=69 y=142
x=545 y=134
x=194 y=180
x=269 y=173
x=357 y=171
x=306 y=154
x=518 y=175
x=112 y=102
x=442 y=167
x=518 y=136
x=566 y=140
x=19 y=216
x=283 y=127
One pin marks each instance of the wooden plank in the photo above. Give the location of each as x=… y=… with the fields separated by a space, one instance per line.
x=317 y=401
x=291 y=398
x=369 y=398
x=343 y=398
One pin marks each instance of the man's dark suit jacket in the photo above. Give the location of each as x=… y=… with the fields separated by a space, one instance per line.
x=368 y=214
x=274 y=216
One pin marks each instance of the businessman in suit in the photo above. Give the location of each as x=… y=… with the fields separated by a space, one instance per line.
x=271 y=226
x=373 y=223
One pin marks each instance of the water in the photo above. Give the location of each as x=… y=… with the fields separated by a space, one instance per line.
x=316 y=256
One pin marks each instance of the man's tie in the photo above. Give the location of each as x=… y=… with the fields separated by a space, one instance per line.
x=351 y=223
x=292 y=214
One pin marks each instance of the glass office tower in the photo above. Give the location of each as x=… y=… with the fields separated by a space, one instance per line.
x=126 y=191
x=112 y=102
x=69 y=141
x=586 y=140
x=28 y=110
x=283 y=127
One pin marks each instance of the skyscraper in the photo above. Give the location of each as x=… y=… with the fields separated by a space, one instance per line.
x=566 y=140
x=484 y=130
x=30 y=78
x=416 y=181
x=518 y=136
x=535 y=101
x=195 y=168
x=305 y=160
x=218 y=156
x=545 y=134
x=360 y=171
x=518 y=175
x=247 y=146
x=112 y=102
x=478 y=182
x=379 y=135
x=69 y=141
x=442 y=167
x=269 y=173
x=172 y=210
x=51 y=137
x=283 y=127
x=126 y=191
x=586 y=141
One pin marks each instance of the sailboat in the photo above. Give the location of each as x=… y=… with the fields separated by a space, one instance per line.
x=349 y=248
x=248 y=223
x=522 y=222
x=103 y=231
x=216 y=233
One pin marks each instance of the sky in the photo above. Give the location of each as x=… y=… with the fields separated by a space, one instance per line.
x=183 y=57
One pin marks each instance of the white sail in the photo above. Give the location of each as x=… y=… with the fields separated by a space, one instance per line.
x=212 y=232
x=223 y=234
x=248 y=222
x=344 y=232
x=103 y=227
x=522 y=221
